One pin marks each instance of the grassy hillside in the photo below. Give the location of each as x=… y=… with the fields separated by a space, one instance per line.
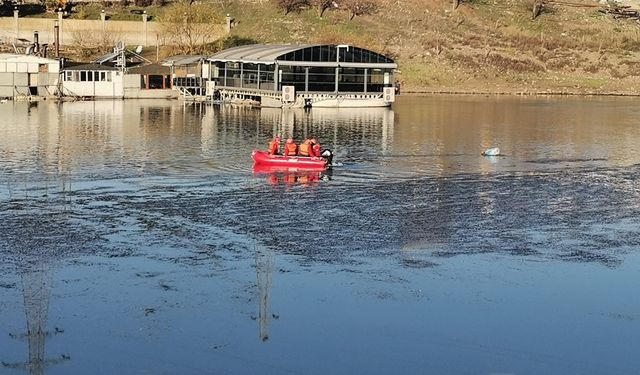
x=483 y=46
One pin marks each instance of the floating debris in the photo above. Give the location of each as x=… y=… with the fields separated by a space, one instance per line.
x=494 y=151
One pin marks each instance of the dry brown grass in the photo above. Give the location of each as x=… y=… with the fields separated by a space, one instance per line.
x=495 y=41
x=632 y=67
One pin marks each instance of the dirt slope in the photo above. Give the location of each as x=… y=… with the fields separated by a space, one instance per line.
x=483 y=46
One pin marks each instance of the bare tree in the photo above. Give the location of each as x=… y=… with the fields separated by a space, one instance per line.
x=359 y=7
x=322 y=5
x=89 y=44
x=190 y=25
x=291 y=5
x=53 y=5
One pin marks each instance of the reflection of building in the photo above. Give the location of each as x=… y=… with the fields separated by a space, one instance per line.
x=376 y=125
x=303 y=76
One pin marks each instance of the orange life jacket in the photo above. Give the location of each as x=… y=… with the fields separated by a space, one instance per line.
x=273 y=147
x=290 y=149
x=304 y=149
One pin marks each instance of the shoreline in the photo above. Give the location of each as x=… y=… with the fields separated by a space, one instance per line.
x=403 y=93
x=418 y=92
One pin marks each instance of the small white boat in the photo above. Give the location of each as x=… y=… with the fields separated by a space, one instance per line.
x=494 y=151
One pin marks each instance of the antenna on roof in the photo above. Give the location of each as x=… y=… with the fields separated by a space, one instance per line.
x=119 y=47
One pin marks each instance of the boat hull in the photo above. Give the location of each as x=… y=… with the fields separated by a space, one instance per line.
x=262 y=158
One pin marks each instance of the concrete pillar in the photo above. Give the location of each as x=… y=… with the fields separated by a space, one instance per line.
x=16 y=26
x=103 y=18
x=258 y=77
x=145 y=18
x=61 y=31
x=366 y=76
x=228 y=23
x=306 y=79
x=276 y=77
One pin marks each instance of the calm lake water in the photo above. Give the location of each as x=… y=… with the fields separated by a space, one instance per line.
x=135 y=238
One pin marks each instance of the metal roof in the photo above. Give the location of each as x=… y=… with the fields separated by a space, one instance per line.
x=183 y=60
x=152 y=69
x=321 y=55
x=106 y=58
x=90 y=66
x=258 y=52
x=12 y=57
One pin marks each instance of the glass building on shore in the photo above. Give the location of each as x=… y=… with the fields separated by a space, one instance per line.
x=309 y=69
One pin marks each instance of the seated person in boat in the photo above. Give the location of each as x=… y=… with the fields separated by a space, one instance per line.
x=305 y=148
x=290 y=148
x=315 y=148
x=274 y=146
x=310 y=147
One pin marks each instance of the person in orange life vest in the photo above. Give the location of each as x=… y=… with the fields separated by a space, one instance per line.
x=305 y=148
x=290 y=148
x=315 y=148
x=274 y=146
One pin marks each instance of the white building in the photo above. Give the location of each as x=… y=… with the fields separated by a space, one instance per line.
x=28 y=75
x=92 y=80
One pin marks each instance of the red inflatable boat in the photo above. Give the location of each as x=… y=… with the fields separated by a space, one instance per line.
x=300 y=162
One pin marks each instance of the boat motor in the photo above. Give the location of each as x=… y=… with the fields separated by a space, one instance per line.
x=328 y=155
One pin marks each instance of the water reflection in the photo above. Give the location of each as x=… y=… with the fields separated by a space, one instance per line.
x=413 y=166
x=172 y=184
x=36 y=290
x=276 y=175
x=330 y=126
x=265 y=261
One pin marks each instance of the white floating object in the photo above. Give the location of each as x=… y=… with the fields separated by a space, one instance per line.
x=494 y=151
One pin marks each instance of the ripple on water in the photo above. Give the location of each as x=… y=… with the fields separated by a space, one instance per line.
x=171 y=179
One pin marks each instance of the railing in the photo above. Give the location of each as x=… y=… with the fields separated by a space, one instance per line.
x=188 y=82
